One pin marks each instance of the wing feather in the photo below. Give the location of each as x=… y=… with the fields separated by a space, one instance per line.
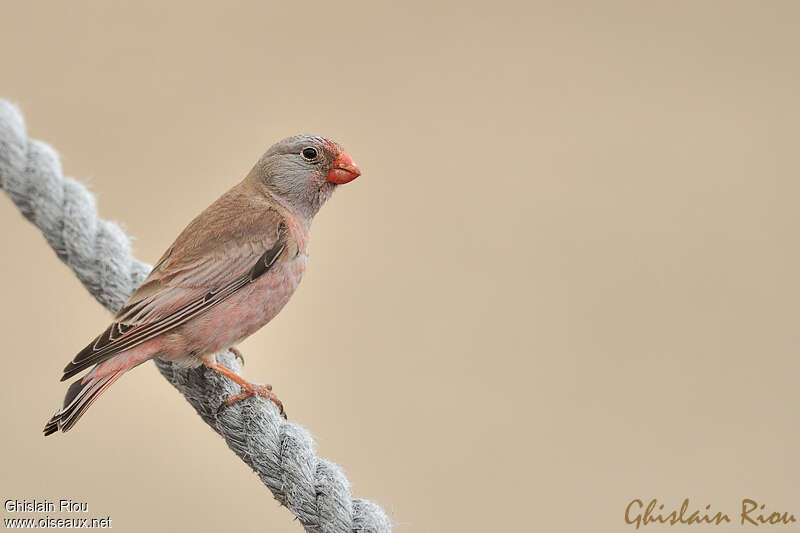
x=193 y=276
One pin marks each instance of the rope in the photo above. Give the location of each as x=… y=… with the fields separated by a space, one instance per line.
x=98 y=251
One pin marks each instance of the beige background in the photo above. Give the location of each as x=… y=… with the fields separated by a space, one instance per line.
x=567 y=278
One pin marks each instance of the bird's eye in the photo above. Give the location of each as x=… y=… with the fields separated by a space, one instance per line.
x=309 y=153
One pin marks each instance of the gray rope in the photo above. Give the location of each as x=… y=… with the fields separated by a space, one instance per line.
x=98 y=251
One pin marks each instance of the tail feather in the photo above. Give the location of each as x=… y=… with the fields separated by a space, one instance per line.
x=78 y=399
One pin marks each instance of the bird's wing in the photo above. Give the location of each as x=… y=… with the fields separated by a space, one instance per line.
x=220 y=252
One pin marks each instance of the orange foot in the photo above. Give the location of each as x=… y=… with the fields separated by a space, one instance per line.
x=250 y=389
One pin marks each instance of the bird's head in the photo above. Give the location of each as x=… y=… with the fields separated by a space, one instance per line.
x=304 y=170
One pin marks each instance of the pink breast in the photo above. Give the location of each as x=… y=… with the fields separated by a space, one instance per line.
x=246 y=311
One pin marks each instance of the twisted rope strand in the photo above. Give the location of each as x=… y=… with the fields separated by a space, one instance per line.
x=98 y=251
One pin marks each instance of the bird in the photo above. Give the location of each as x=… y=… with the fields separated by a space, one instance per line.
x=228 y=273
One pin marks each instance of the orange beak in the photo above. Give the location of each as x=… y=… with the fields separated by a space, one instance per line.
x=343 y=170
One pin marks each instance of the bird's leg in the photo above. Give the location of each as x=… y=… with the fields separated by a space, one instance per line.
x=250 y=389
x=235 y=351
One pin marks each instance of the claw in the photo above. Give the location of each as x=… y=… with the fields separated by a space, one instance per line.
x=265 y=391
x=235 y=351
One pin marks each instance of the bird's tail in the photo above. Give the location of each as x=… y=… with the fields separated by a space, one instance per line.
x=80 y=395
